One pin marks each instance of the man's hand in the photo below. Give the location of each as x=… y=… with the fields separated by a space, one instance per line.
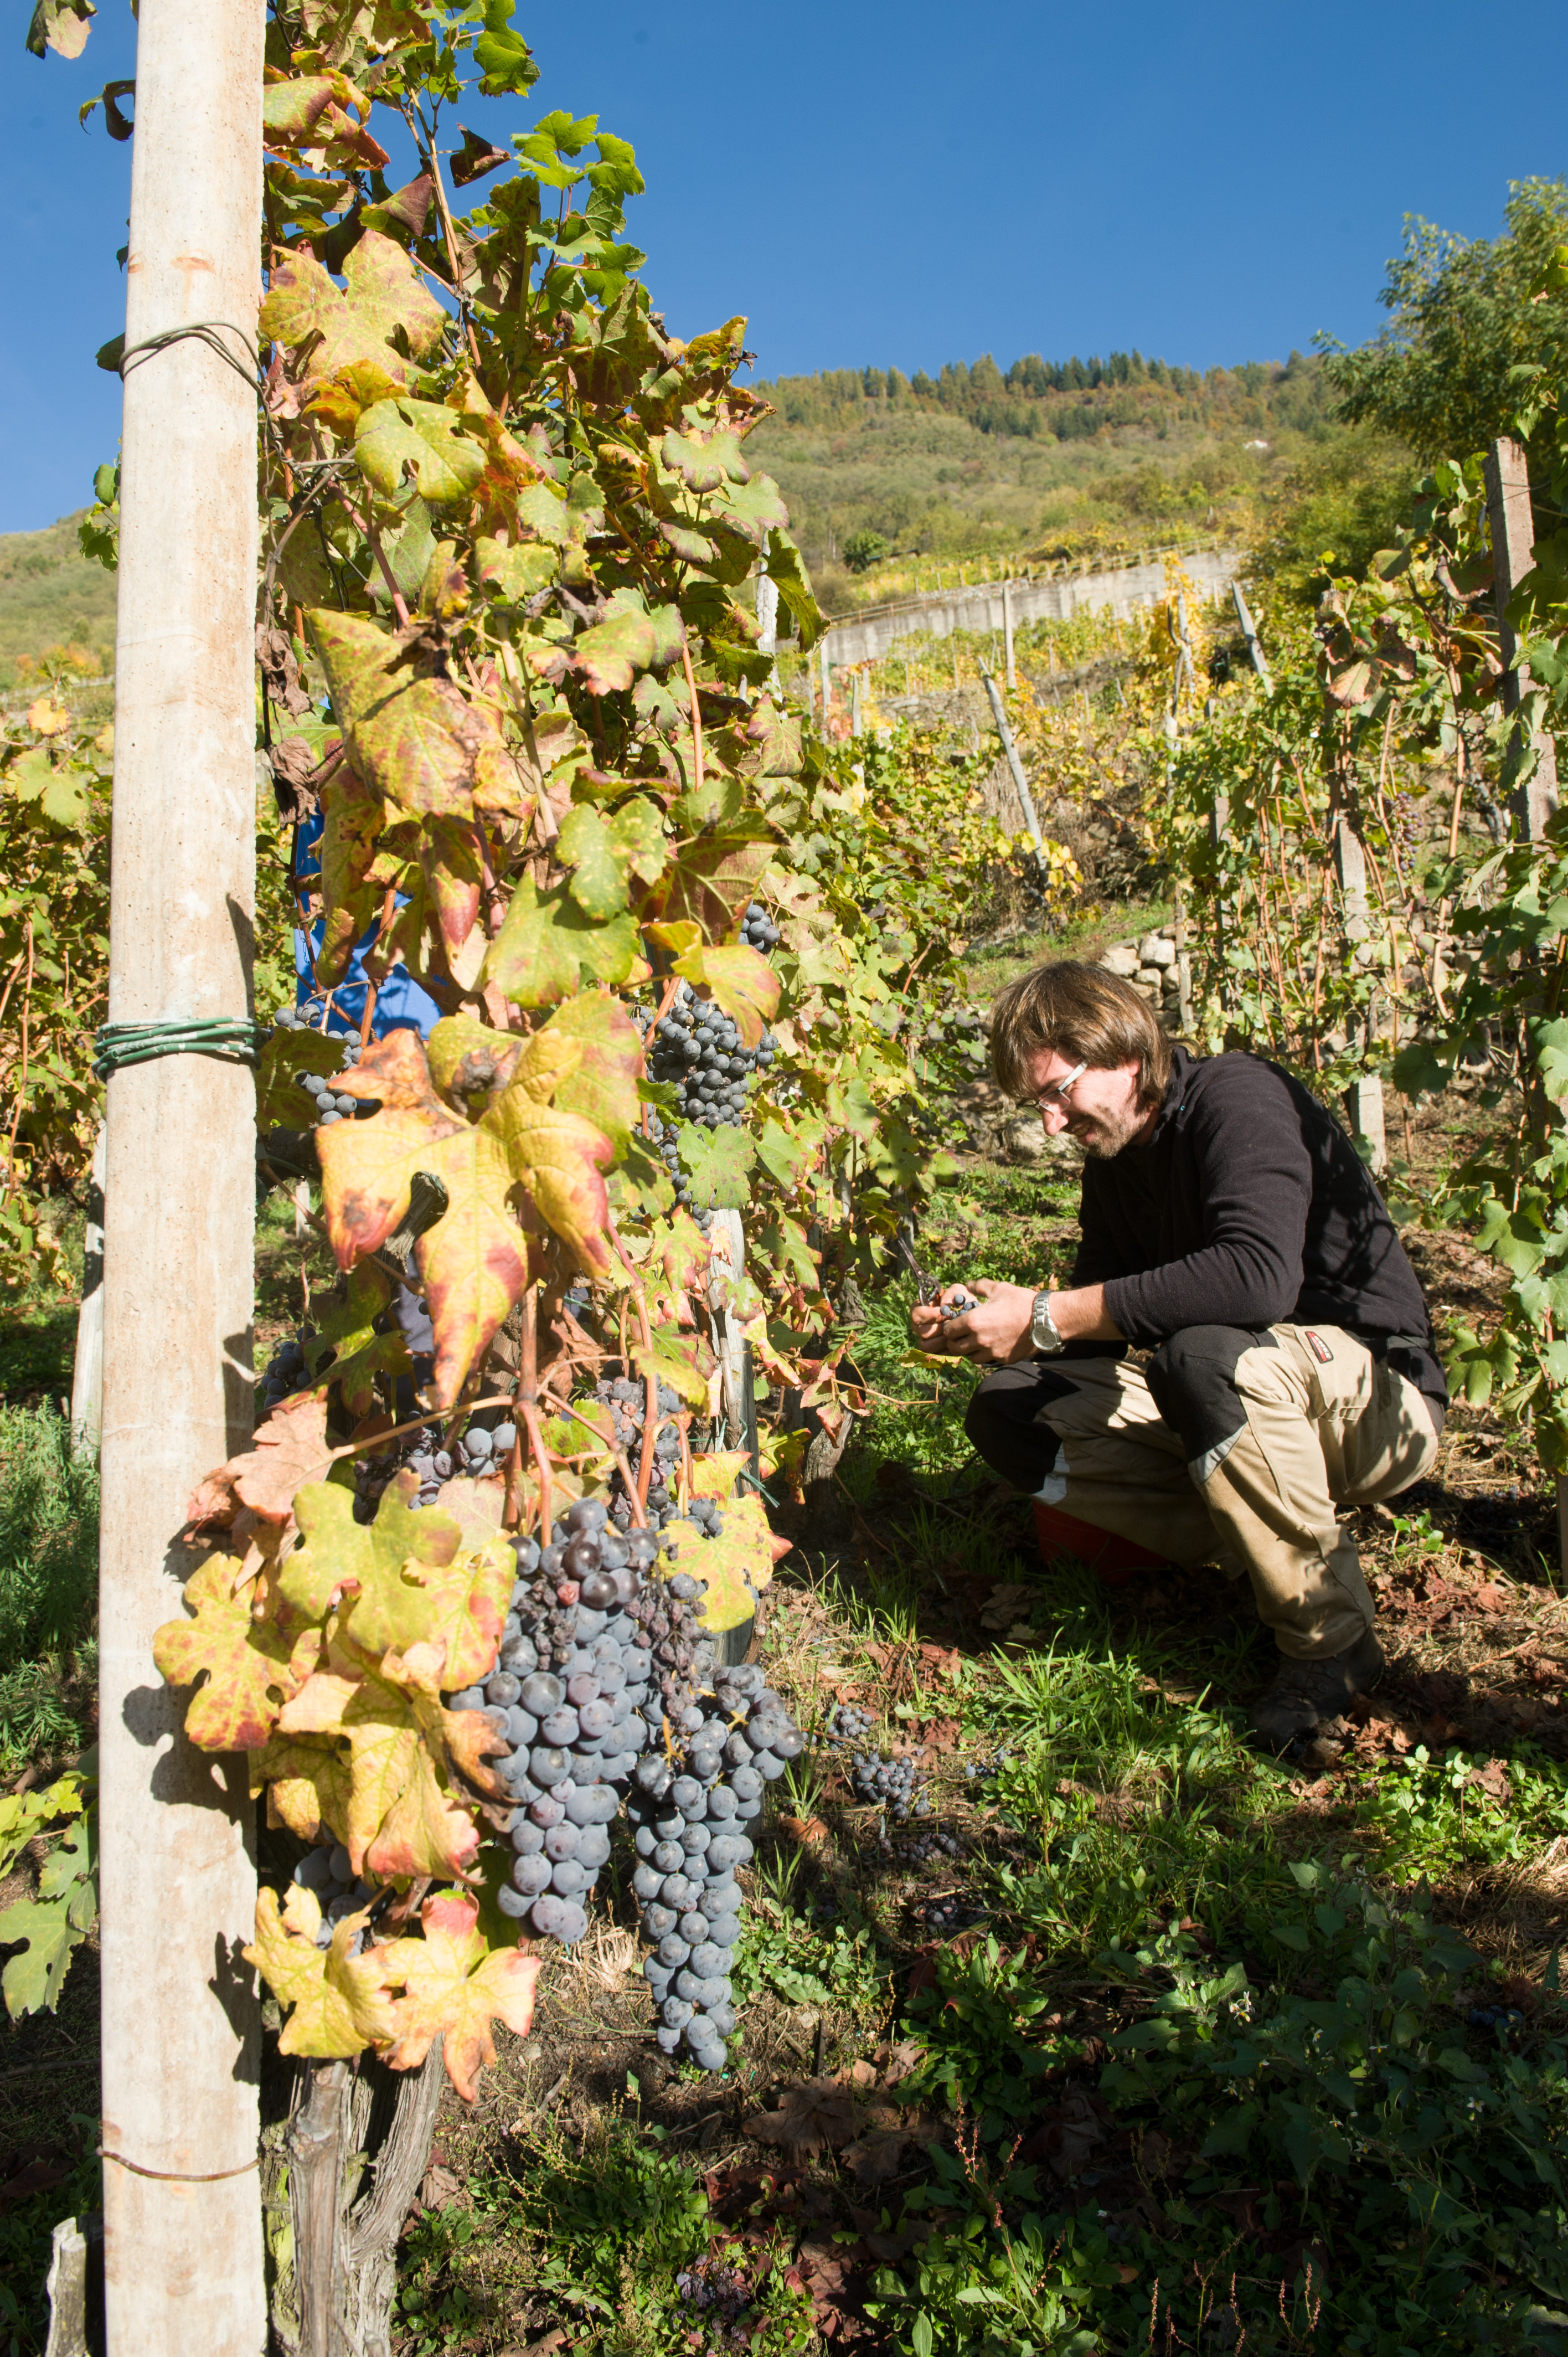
x=995 y=1332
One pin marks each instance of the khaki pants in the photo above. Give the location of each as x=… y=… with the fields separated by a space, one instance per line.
x=1247 y=1438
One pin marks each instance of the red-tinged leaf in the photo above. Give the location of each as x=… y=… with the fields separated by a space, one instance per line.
x=352 y=820
x=714 y=878
x=453 y=1989
x=244 y=1671
x=384 y=294
x=414 y=741
x=291 y=1448
x=561 y=1159
x=742 y=981
x=392 y=1072
x=715 y=1471
x=603 y=1086
x=322 y=2021
x=449 y=853
x=612 y=653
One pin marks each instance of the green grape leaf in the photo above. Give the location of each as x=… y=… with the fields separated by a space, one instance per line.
x=384 y=294
x=32 y=1980
x=716 y=1162
x=400 y=439
x=546 y=949
x=705 y=464
x=605 y=854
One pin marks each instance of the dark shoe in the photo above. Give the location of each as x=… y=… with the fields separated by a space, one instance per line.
x=1306 y=1692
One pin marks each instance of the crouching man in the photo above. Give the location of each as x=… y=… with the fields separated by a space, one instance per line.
x=1230 y=1230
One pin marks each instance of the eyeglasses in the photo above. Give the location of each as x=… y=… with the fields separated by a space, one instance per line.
x=1054 y=1099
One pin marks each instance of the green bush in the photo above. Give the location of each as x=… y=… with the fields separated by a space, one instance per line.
x=48 y=1581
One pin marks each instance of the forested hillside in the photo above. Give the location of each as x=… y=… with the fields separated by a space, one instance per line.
x=1049 y=459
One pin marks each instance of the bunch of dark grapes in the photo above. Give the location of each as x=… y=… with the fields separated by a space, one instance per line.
x=700 y=1050
x=875 y=1776
x=626 y=1397
x=331 y=1103
x=325 y=1870
x=891 y=1783
x=287 y=1372
x=725 y=1737
x=988 y=1766
x=929 y=1843
x=568 y=1701
x=758 y=930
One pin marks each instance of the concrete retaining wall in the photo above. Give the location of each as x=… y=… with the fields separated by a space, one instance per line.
x=1119 y=590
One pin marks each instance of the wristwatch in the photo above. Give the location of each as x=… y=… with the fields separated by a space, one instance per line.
x=1043 y=1328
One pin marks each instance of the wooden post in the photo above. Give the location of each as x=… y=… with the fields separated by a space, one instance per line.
x=1250 y=632
x=1016 y=765
x=86 y=1376
x=1364 y=1097
x=1007 y=636
x=180 y=2008
x=1513 y=554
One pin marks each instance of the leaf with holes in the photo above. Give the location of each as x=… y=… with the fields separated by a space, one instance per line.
x=414 y=1592
x=421 y=441
x=243 y=1670
x=347 y=1329
x=740 y=979
x=307 y=1779
x=452 y=1988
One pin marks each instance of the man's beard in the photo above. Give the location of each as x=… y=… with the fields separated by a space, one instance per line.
x=1111 y=1132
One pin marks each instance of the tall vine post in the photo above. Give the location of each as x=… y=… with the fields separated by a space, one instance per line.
x=180 y=2019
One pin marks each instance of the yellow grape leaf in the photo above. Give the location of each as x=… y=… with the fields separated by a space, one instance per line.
x=321 y=2021
x=474 y=1261
x=247 y=1668
x=547 y=948
x=740 y=979
x=470 y=1058
x=422 y=440
x=737 y=1564
x=715 y=1472
x=339 y=1553
x=384 y=294
x=49 y=718
x=307 y=1779
x=404 y=1817
x=291 y=1449
x=452 y=1988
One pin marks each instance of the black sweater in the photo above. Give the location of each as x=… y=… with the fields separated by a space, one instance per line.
x=1247 y=1205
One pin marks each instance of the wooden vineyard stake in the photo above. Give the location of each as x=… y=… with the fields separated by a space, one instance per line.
x=1513 y=554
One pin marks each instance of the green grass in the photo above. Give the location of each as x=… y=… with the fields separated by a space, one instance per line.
x=48 y=1587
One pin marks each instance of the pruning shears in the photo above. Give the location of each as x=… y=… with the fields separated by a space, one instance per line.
x=925 y=1288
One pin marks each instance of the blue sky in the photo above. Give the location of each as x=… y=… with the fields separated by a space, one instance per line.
x=903 y=184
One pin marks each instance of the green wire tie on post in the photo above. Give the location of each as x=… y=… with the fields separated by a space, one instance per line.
x=237 y=1039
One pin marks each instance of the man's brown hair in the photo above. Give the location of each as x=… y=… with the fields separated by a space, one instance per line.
x=1084 y=1014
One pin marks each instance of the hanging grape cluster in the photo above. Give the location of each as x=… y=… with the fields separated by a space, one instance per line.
x=725 y=1736
x=699 y=1049
x=606 y=1679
